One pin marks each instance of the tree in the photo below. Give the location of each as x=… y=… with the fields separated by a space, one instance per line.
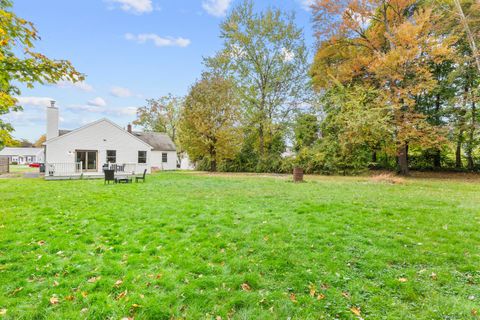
x=265 y=54
x=386 y=44
x=20 y=64
x=209 y=122
x=306 y=130
x=474 y=8
x=356 y=124
x=40 y=141
x=161 y=115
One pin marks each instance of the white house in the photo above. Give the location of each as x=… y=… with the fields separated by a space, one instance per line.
x=88 y=149
x=23 y=155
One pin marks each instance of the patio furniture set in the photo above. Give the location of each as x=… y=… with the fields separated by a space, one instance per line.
x=111 y=175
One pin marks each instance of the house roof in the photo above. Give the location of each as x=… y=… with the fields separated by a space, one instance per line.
x=156 y=140
x=61 y=132
x=10 y=151
x=67 y=132
x=159 y=141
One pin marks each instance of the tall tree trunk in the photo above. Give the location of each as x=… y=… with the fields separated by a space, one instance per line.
x=471 y=136
x=458 y=151
x=374 y=156
x=468 y=31
x=261 y=137
x=437 y=153
x=213 y=158
x=437 y=159
x=402 y=154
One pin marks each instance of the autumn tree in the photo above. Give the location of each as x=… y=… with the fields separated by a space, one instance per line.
x=265 y=54
x=161 y=115
x=20 y=64
x=40 y=141
x=209 y=122
x=385 y=44
x=306 y=129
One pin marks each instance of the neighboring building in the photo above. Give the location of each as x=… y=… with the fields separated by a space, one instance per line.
x=23 y=155
x=164 y=154
x=86 y=150
x=185 y=163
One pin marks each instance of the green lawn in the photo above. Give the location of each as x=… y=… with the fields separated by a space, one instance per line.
x=194 y=246
x=19 y=168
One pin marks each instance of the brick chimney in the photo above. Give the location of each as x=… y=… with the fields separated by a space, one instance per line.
x=129 y=128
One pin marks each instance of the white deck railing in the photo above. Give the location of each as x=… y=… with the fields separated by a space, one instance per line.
x=63 y=169
x=76 y=169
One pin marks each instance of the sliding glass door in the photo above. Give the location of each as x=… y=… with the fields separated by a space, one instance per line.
x=88 y=158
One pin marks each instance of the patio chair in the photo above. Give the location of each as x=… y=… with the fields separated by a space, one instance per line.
x=142 y=177
x=109 y=176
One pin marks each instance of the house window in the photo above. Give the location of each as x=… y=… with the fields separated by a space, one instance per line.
x=142 y=156
x=164 y=157
x=111 y=156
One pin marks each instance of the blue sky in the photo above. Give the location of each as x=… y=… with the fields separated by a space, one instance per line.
x=130 y=50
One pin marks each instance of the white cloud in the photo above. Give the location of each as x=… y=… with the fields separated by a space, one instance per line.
x=34 y=101
x=85 y=107
x=97 y=102
x=124 y=111
x=306 y=4
x=121 y=92
x=104 y=111
x=217 y=8
x=134 y=6
x=81 y=85
x=158 y=40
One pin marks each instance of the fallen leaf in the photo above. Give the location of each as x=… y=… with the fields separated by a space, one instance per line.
x=118 y=283
x=55 y=283
x=94 y=279
x=433 y=276
x=355 y=311
x=41 y=242
x=54 y=300
x=3 y=312
x=127 y=318
x=218 y=318
x=293 y=298
x=122 y=294
x=402 y=279
x=474 y=312
x=142 y=296
x=346 y=295
x=84 y=310
x=84 y=294
x=14 y=292
x=158 y=276
x=246 y=287
x=312 y=290
x=69 y=298
x=320 y=296
x=136 y=305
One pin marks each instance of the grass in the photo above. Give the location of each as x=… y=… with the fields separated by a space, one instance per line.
x=194 y=246
x=19 y=168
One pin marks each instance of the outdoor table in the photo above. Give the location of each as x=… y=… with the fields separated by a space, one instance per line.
x=123 y=179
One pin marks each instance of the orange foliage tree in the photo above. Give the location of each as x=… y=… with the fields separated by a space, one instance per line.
x=389 y=45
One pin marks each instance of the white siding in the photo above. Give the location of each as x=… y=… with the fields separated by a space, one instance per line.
x=99 y=136
x=156 y=160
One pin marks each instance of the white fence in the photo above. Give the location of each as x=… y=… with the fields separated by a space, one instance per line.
x=63 y=169
x=73 y=169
